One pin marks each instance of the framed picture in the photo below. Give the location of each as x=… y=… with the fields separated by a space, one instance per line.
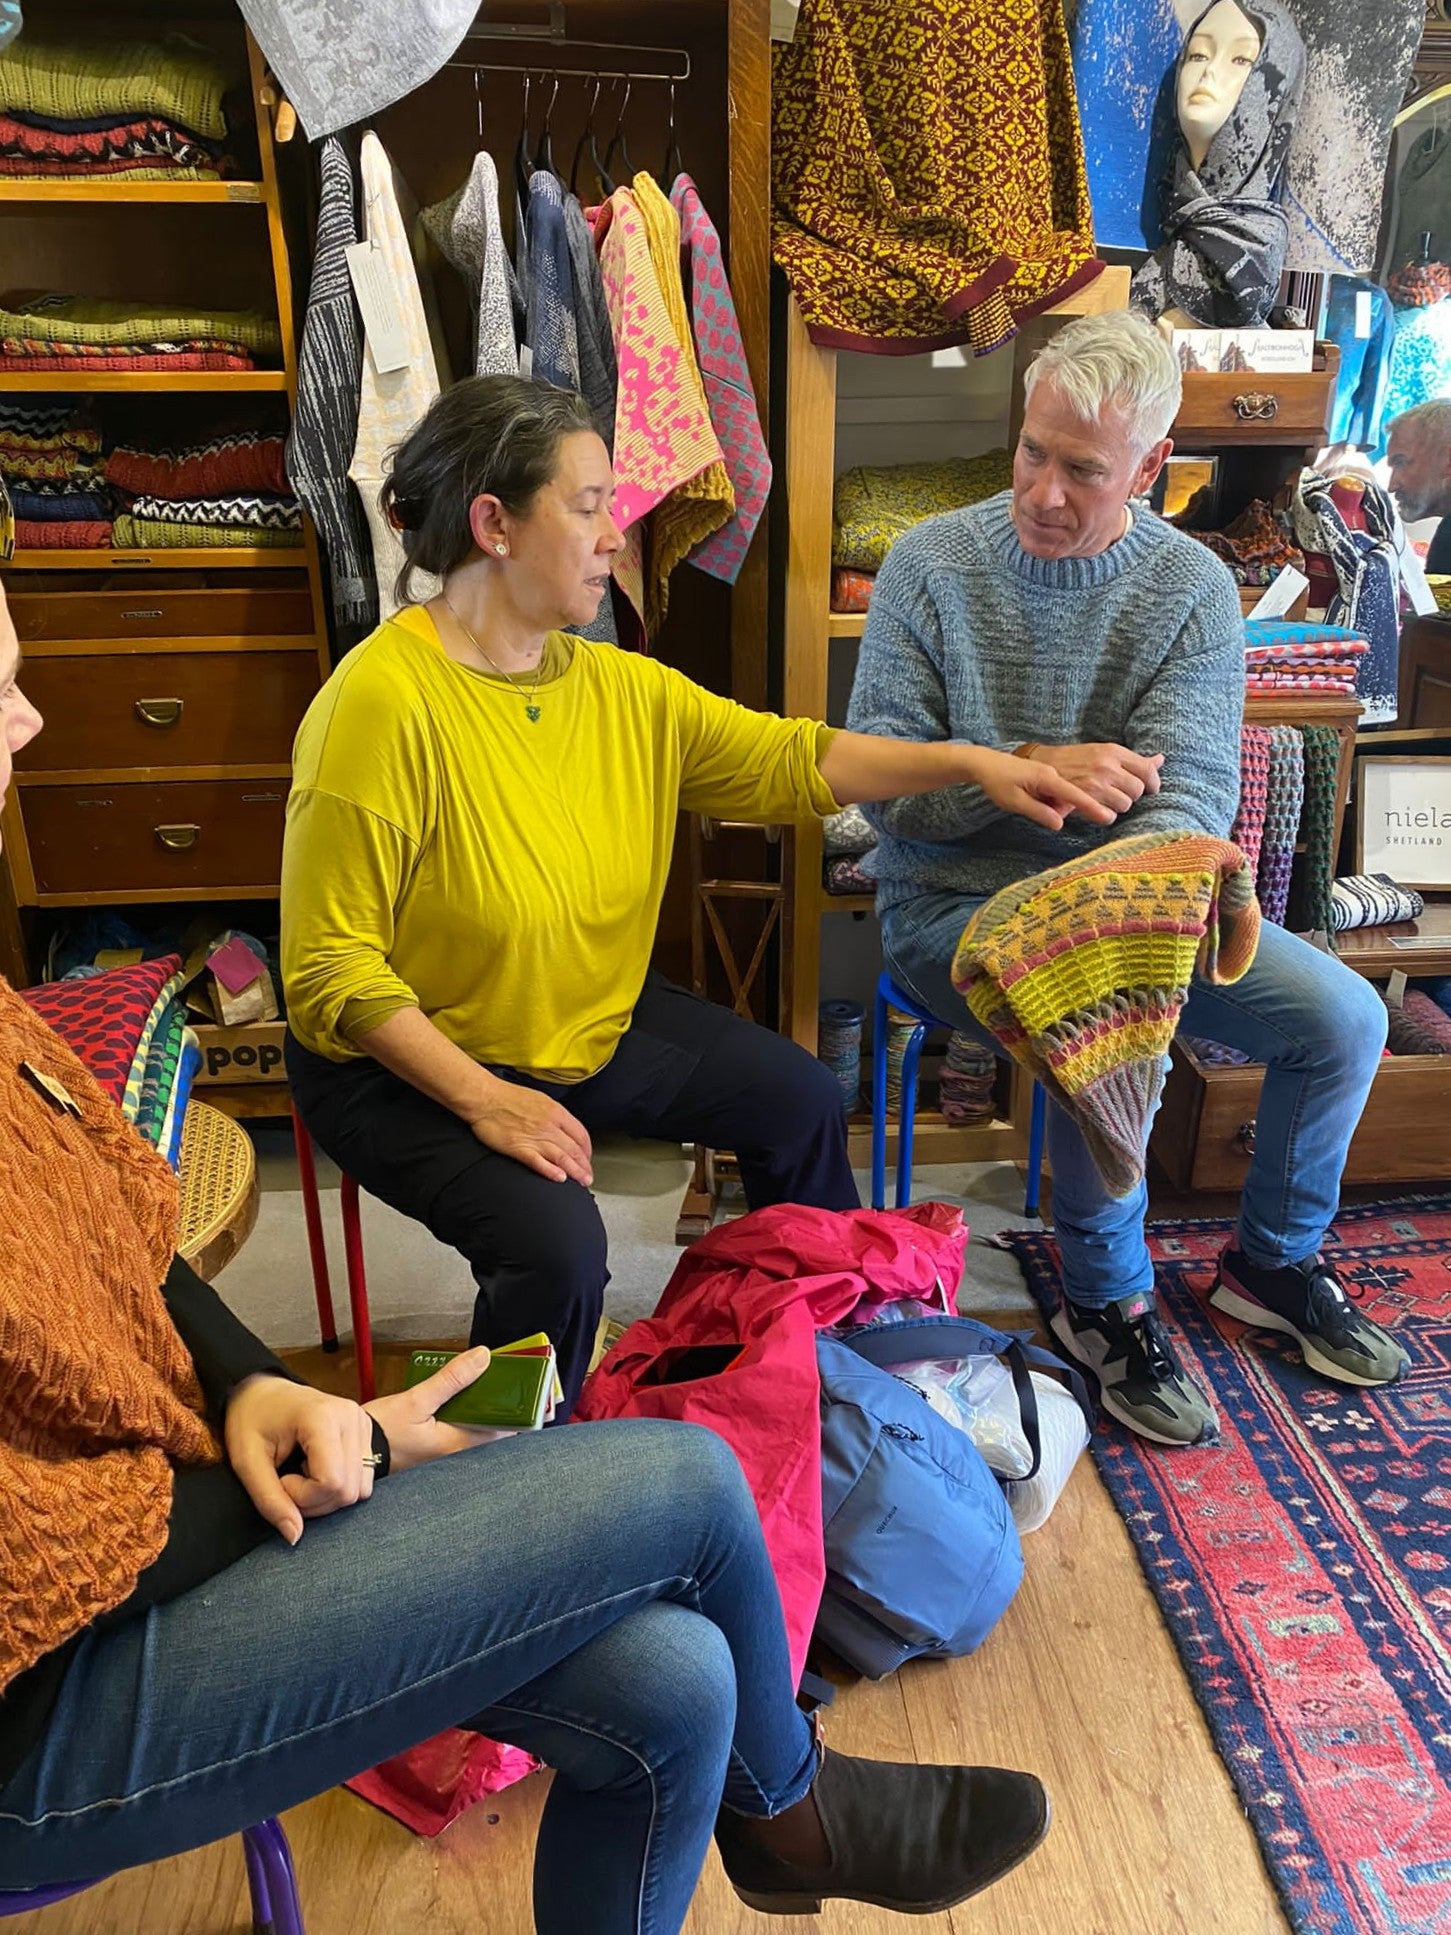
x=1403 y=819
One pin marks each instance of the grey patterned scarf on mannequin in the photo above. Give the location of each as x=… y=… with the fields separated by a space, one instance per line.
x=1224 y=232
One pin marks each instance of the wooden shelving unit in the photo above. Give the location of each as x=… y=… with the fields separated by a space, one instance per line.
x=164 y=774
x=113 y=190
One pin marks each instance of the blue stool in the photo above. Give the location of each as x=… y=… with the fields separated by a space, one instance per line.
x=889 y=994
x=276 y=1909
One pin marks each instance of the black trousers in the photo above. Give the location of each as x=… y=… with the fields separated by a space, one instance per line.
x=684 y=1071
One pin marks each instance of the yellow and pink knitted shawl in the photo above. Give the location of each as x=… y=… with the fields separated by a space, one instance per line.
x=1082 y=973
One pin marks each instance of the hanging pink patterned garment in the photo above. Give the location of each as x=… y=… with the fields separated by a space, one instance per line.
x=728 y=388
x=663 y=433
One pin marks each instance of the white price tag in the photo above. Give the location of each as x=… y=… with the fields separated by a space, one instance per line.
x=1396 y=989
x=784 y=15
x=382 y=325
x=1413 y=577
x=1281 y=593
x=1362 y=314
x=526 y=361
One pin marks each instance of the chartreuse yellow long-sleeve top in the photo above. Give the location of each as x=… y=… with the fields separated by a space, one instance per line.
x=504 y=873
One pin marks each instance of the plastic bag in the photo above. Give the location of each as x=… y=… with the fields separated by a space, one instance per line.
x=976 y=1394
x=433 y=1783
x=1063 y=1434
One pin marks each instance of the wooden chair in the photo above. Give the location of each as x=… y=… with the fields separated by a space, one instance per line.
x=218 y=1189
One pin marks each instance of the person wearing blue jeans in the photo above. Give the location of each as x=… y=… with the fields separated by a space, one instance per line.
x=1064 y=621
x=222 y=1592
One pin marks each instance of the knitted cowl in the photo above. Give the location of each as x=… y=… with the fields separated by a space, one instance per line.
x=1224 y=233
x=1082 y=973
x=98 y=1397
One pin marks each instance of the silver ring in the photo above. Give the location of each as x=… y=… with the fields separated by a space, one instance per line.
x=372 y=1458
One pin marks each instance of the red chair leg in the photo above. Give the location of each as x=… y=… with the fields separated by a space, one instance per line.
x=312 y=1214
x=358 y=1290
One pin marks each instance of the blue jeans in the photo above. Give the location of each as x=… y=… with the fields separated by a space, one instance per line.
x=1319 y=1030
x=599 y=1595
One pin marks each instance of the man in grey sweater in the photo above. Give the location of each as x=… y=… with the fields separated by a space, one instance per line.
x=1063 y=620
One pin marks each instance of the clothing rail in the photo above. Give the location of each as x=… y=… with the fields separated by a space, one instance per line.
x=585 y=73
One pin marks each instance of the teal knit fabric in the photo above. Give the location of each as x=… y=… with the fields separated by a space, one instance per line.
x=969 y=637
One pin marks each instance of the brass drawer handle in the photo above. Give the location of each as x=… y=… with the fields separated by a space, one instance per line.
x=159 y=712
x=1244 y=1137
x=153 y=611
x=178 y=838
x=1256 y=406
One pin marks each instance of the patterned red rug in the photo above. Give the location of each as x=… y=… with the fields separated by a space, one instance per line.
x=1304 y=1569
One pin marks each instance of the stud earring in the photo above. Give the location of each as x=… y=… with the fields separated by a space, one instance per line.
x=502 y=550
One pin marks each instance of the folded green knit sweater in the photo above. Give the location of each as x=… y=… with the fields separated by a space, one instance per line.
x=104 y=321
x=79 y=80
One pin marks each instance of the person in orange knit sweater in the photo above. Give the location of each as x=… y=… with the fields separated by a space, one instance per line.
x=211 y=1609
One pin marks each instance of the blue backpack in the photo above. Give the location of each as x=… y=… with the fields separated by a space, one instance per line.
x=922 y=1555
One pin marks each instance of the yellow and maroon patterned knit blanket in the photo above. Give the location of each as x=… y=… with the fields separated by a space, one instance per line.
x=928 y=181
x=1082 y=973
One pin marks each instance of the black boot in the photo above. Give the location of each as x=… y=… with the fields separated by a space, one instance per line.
x=903 y=1836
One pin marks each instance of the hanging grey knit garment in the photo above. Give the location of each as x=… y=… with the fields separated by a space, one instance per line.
x=1225 y=233
x=598 y=376
x=467 y=229
x=325 y=421
x=341 y=61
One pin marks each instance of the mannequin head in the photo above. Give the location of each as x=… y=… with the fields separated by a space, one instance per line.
x=1217 y=60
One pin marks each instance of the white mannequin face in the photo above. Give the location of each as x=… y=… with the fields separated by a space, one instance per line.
x=1221 y=51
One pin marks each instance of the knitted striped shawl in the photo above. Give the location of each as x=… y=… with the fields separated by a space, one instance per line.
x=1082 y=973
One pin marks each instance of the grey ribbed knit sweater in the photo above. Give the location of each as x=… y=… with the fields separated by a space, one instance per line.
x=969 y=637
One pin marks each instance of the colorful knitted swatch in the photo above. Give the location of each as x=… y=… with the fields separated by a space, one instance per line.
x=1254 y=781
x=1082 y=973
x=1313 y=872
x=108 y=1019
x=1284 y=798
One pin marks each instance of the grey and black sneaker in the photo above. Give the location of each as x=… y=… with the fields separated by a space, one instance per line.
x=1308 y=1301
x=1141 y=1381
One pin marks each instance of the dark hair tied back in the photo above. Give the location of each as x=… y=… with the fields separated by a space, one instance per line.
x=494 y=436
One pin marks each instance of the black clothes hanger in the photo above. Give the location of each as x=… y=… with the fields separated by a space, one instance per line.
x=620 y=145
x=544 y=155
x=523 y=166
x=673 y=164
x=586 y=138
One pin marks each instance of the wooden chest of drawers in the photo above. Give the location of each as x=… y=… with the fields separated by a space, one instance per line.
x=171 y=703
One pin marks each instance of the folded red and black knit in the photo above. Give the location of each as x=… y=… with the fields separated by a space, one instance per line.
x=35 y=354
x=247 y=461
x=143 y=138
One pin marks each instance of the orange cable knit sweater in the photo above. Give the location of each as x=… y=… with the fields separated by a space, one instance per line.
x=98 y=1396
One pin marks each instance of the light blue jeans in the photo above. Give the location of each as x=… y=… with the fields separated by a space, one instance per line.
x=1318 y=1028
x=600 y=1595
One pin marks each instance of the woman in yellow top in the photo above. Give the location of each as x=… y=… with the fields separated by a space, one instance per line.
x=480 y=827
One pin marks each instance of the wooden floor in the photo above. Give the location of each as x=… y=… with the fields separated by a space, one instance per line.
x=1080 y=1683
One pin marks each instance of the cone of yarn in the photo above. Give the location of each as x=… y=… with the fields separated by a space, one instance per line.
x=899 y=1033
x=966 y=1082
x=839 y=1045
x=1082 y=973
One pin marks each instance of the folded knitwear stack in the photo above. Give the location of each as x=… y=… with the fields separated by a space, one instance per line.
x=1372 y=900
x=50 y=467
x=1286 y=655
x=1082 y=973
x=846 y=838
x=138 y=111
x=227 y=491
x=1256 y=546
x=128 y=1025
x=875 y=504
x=54 y=332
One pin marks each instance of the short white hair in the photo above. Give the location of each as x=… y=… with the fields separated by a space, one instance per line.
x=1117 y=358
x=1427 y=422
